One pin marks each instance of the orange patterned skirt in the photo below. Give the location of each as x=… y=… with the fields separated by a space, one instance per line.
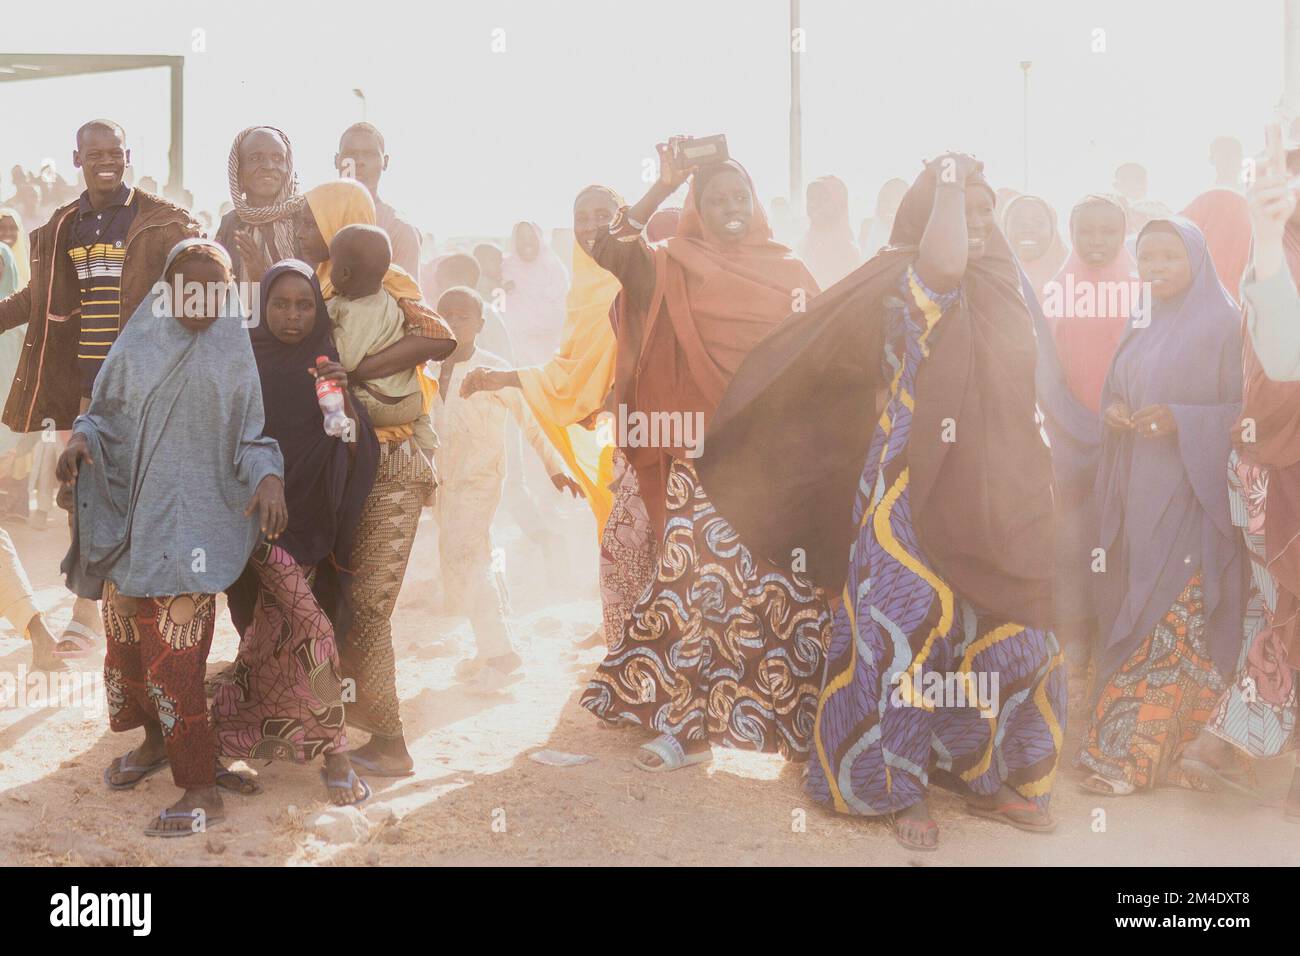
x=1157 y=702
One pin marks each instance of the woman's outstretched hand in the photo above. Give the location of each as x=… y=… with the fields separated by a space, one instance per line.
x=268 y=502
x=564 y=483
x=483 y=379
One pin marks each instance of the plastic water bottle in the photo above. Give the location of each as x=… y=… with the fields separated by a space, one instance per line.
x=329 y=395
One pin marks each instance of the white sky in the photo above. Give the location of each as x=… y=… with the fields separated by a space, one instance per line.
x=586 y=87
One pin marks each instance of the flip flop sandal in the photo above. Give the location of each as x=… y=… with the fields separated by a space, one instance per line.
x=373 y=769
x=121 y=766
x=1002 y=813
x=671 y=755
x=1205 y=771
x=79 y=634
x=154 y=830
x=925 y=828
x=349 y=784
x=1105 y=787
x=243 y=785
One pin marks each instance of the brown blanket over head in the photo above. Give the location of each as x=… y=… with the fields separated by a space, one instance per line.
x=1274 y=409
x=787 y=445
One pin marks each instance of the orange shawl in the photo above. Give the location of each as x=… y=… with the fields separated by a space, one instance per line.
x=713 y=301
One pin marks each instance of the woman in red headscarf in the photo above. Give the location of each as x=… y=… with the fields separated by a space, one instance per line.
x=723 y=647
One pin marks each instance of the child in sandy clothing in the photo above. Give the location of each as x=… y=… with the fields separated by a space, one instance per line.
x=366 y=320
x=472 y=464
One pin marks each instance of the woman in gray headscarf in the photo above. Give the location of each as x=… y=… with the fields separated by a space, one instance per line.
x=175 y=486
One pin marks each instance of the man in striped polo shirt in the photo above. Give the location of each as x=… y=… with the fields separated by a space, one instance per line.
x=97 y=248
x=92 y=264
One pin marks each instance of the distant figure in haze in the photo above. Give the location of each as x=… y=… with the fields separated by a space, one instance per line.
x=536 y=283
x=1226 y=158
x=1223 y=215
x=460 y=269
x=875 y=231
x=1139 y=214
x=490 y=261
x=1131 y=182
x=562 y=246
x=361 y=157
x=784 y=225
x=828 y=248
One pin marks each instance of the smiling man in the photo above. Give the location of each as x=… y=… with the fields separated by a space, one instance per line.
x=91 y=265
x=361 y=157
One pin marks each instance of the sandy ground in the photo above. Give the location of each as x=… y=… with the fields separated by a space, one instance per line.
x=478 y=798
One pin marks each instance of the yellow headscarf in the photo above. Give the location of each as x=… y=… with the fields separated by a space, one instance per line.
x=576 y=380
x=345 y=202
x=21 y=249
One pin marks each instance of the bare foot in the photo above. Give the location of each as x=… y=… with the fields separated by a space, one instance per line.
x=43 y=644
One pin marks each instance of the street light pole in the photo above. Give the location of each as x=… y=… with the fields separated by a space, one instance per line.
x=796 y=113
x=1024 y=66
x=1290 y=105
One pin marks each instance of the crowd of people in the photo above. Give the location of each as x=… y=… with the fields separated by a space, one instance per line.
x=881 y=500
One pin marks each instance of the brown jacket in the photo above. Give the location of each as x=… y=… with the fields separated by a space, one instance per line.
x=46 y=390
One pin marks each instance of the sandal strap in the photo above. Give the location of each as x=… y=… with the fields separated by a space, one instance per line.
x=668 y=749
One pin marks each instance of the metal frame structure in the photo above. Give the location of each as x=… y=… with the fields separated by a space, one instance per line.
x=40 y=66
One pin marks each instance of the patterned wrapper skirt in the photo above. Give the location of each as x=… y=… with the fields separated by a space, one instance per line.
x=380 y=554
x=918 y=678
x=1257 y=712
x=153 y=672
x=722 y=646
x=285 y=699
x=1157 y=702
x=628 y=555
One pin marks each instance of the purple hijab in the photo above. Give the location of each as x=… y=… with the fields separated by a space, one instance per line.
x=1164 y=501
